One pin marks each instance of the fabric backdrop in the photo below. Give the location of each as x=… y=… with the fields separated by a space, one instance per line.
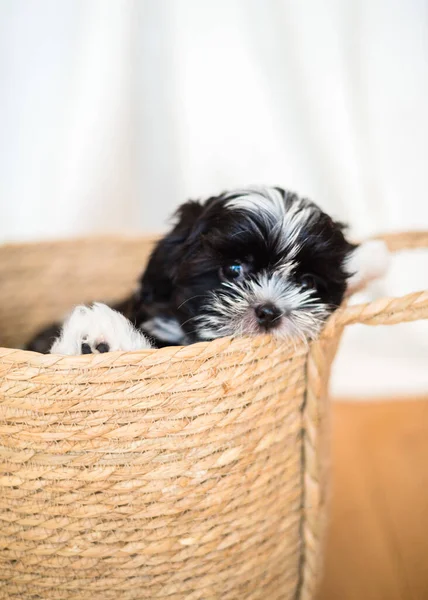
x=112 y=112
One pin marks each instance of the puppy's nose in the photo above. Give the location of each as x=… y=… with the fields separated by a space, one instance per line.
x=266 y=315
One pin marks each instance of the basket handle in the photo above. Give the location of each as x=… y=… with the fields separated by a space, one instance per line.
x=387 y=311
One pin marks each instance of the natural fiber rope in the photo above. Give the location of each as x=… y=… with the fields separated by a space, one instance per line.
x=384 y=311
x=179 y=473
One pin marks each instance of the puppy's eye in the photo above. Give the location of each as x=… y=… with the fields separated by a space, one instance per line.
x=232 y=272
x=146 y=296
x=308 y=282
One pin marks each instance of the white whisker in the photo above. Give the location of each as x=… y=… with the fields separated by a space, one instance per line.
x=188 y=300
x=230 y=311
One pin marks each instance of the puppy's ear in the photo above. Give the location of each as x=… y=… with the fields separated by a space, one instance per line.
x=187 y=225
x=166 y=258
x=367 y=262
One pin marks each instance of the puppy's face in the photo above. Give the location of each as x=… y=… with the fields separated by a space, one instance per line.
x=243 y=263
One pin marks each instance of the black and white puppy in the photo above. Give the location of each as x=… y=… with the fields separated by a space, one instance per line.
x=246 y=262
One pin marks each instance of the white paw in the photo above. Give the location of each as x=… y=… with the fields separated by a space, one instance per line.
x=369 y=261
x=97 y=329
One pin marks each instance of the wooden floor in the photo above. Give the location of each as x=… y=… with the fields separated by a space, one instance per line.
x=377 y=547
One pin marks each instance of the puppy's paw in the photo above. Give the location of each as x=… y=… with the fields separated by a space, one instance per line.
x=98 y=329
x=369 y=261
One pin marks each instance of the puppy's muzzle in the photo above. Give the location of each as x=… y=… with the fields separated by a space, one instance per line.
x=267 y=315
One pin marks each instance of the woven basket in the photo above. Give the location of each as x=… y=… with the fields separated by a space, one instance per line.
x=194 y=472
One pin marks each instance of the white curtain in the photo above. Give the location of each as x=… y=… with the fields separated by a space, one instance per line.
x=112 y=112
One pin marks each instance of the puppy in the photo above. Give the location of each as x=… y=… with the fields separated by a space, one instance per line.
x=246 y=262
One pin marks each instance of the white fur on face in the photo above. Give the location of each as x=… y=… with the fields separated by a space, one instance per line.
x=285 y=216
x=167 y=329
x=369 y=261
x=301 y=315
x=96 y=325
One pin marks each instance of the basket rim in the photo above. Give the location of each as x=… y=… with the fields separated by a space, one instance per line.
x=90 y=238
x=200 y=350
